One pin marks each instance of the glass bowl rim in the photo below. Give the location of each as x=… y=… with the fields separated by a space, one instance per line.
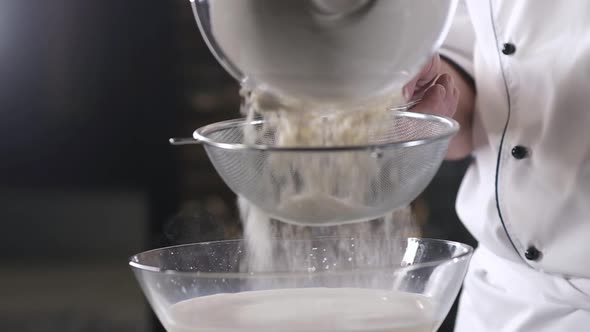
x=465 y=254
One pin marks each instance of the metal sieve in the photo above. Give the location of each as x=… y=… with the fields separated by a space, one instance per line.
x=401 y=160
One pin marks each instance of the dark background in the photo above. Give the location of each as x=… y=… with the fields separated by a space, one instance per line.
x=90 y=92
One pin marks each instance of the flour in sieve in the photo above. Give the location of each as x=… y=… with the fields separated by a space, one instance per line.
x=317 y=188
x=318 y=185
x=321 y=209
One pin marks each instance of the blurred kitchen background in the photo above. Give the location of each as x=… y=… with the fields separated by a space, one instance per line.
x=90 y=92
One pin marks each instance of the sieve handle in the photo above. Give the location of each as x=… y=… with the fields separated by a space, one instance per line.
x=183 y=141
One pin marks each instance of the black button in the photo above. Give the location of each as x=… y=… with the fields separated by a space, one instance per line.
x=509 y=49
x=520 y=152
x=532 y=254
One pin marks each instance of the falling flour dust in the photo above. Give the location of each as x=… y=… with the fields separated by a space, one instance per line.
x=295 y=124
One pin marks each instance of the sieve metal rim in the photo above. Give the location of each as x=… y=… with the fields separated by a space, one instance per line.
x=201 y=135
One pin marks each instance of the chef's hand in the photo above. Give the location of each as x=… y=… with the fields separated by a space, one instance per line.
x=440 y=95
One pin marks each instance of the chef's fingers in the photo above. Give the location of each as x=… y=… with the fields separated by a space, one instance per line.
x=439 y=99
x=451 y=98
x=423 y=80
x=433 y=101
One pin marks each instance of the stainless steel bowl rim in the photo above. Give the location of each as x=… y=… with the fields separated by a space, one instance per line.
x=202 y=136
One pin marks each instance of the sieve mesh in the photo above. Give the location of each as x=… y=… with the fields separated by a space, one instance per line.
x=403 y=157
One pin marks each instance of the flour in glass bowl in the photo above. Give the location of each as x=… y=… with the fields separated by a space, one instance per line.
x=305 y=310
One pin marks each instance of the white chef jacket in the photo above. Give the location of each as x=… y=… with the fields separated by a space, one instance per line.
x=526 y=196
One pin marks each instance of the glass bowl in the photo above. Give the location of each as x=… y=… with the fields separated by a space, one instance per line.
x=208 y=287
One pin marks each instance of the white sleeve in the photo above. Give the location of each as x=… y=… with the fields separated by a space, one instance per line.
x=460 y=42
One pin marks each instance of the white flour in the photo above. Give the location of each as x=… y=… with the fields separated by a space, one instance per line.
x=318 y=187
x=318 y=208
x=310 y=186
x=305 y=310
